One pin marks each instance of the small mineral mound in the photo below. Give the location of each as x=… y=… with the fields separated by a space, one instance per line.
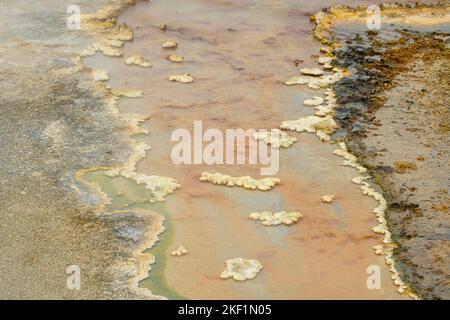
x=268 y=218
x=314 y=101
x=169 y=45
x=246 y=182
x=241 y=269
x=183 y=78
x=138 y=61
x=180 y=251
x=175 y=58
x=124 y=33
x=328 y=198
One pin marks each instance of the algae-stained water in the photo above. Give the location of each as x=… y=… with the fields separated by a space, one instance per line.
x=240 y=53
x=125 y=193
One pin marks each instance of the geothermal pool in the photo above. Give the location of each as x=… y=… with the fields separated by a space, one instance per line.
x=87 y=177
x=240 y=55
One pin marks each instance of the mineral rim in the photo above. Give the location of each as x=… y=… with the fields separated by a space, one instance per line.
x=393 y=114
x=55 y=121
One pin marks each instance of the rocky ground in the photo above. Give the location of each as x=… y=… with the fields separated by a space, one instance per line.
x=54 y=122
x=394 y=115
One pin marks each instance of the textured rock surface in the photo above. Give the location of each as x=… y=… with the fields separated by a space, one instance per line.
x=169 y=45
x=328 y=198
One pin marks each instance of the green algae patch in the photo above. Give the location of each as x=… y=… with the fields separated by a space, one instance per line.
x=124 y=193
x=157 y=281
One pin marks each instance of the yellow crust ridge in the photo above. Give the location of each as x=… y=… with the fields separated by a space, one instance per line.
x=241 y=269
x=110 y=40
x=322 y=31
x=269 y=218
x=245 y=182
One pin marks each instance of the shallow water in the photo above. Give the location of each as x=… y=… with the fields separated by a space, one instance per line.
x=240 y=55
